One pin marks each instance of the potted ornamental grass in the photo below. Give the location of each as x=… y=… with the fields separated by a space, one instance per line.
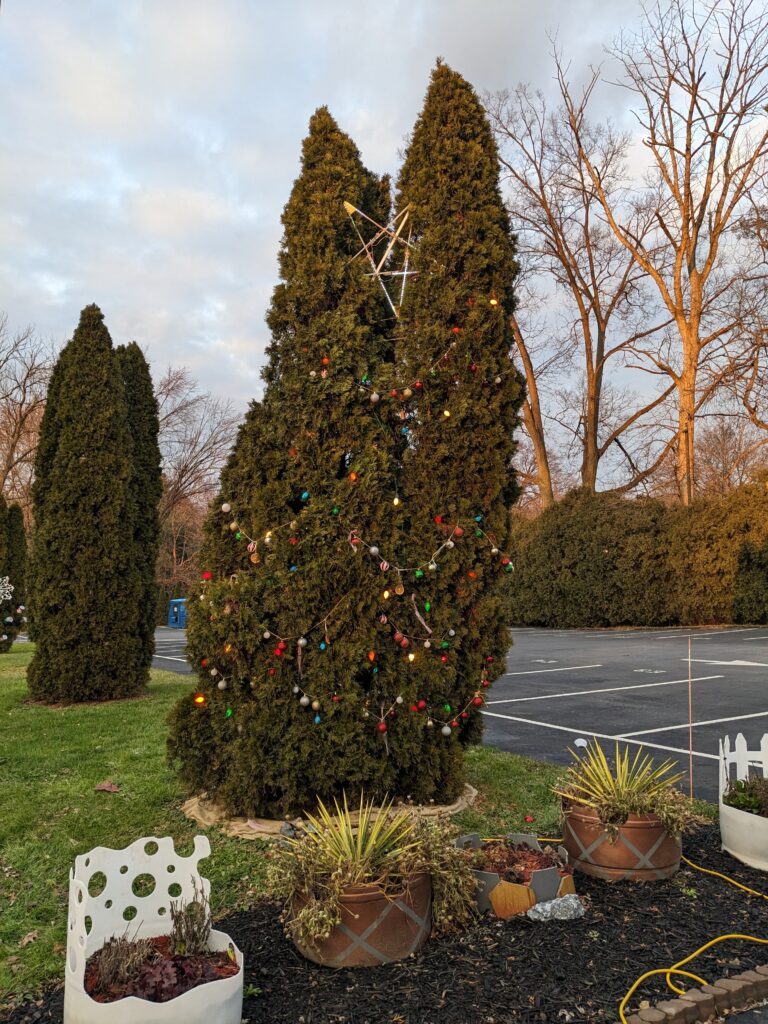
x=744 y=801
x=623 y=821
x=368 y=887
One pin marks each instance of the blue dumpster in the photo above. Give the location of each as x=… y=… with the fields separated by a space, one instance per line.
x=177 y=613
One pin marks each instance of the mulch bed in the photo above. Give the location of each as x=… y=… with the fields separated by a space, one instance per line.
x=497 y=972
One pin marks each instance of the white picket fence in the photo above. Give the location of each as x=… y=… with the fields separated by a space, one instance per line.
x=741 y=757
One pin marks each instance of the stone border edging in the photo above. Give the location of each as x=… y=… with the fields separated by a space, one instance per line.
x=207 y=814
x=710 y=1002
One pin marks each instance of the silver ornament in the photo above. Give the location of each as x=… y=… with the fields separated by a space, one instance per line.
x=295 y=689
x=302 y=641
x=214 y=671
x=266 y=634
x=304 y=701
x=374 y=551
x=375 y=396
x=427 y=644
x=432 y=566
x=451 y=632
x=226 y=507
x=222 y=684
x=398 y=699
x=449 y=544
x=446 y=730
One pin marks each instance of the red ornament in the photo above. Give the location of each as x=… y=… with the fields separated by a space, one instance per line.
x=277 y=652
x=458 y=532
x=393 y=392
x=381 y=727
x=335 y=698
x=472 y=574
x=422 y=704
x=281 y=645
x=438 y=519
x=486 y=684
x=489 y=659
x=204 y=663
x=207 y=575
x=528 y=818
x=398 y=637
x=477 y=701
x=505 y=561
x=392 y=713
x=405 y=642
x=417 y=384
x=454 y=724
x=465 y=714
x=443 y=658
x=293 y=540
x=473 y=367
x=325 y=360
x=455 y=330
x=272 y=671
x=414 y=707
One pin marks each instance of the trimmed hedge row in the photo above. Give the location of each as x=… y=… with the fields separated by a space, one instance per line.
x=602 y=560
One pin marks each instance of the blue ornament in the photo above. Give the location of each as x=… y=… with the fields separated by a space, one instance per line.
x=323 y=645
x=294 y=568
x=478 y=519
x=305 y=495
x=317 y=719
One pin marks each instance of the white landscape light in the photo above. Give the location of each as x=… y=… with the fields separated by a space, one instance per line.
x=581 y=742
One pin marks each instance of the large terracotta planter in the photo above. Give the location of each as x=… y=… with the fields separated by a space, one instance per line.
x=376 y=928
x=643 y=851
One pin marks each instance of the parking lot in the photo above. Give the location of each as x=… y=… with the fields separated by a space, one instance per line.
x=630 y=685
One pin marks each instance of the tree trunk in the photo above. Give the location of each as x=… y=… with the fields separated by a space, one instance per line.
x=535 y=428
x=686 y=479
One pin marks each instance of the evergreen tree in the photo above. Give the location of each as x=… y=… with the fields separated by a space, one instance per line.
x=147 y=486
x=13 y=564
x=309 y=464
x=83 y=581
x=335 y=651
x=455 y=339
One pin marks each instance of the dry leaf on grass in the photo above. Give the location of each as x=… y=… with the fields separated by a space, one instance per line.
x=29 y=938
x=107 y=787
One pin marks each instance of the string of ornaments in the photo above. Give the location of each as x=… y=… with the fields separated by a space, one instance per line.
x=433 y=715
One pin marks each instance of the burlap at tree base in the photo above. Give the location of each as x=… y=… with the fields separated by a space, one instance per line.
x=207 y=814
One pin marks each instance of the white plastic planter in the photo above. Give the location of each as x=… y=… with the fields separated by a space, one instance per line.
x=742 y=834
x=95 y=919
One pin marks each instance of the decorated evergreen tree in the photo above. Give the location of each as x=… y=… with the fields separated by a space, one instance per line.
x=352 y=597
x=147 y=485
x=83 y=581
x=13 y=565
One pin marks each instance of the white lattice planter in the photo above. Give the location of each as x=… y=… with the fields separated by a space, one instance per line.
x=744 y=835
x=95 y=919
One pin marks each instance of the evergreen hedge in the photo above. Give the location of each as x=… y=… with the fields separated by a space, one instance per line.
x=13 y=564
x=601 y=560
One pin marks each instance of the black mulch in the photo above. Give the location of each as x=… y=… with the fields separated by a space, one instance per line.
x=569 y=971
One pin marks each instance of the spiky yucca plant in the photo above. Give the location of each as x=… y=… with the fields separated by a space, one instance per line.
x=633 y=785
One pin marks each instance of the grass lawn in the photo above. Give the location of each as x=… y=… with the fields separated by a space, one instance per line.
x=50 y=762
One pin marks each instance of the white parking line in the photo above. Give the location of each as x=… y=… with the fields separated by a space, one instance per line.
x=160 y=657
x=605 y=689
x=684 y=725
x=708 y=661
x=540 y=671
x=597 y=735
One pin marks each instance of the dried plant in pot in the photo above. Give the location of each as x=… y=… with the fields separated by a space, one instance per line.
x=515 y=873
x=623 y=821
x=744 y=801
x=169 y=964
x=366 y=888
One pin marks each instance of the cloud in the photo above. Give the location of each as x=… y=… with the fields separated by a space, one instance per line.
x=148 y=148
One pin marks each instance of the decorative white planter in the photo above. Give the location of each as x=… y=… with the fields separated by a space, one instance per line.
x=743 y=835
x=95 y=919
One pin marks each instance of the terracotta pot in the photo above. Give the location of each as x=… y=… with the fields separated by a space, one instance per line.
x=644 y=851
x=375 y=928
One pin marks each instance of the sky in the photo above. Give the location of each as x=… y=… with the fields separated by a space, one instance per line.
x=148 y=146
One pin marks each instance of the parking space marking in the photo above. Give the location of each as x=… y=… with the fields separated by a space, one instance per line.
x=540 y=671
x=598 y=735
x=162 y=657
x=707 y=661
x=694 y=725
x=604 y=689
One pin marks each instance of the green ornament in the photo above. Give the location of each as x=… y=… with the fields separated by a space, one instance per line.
x=508 y=568
x=228 y=713
x=478 y=533
x=447 y=707
x=419 y=573
x=238 y=536
x=445 y=645
x=335 y=510
x=427 y=606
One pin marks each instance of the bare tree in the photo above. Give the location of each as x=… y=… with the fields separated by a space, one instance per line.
x=730 y=450
x=698 y=73
x=596 y=285
x=25 y=367
x=196 y=433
